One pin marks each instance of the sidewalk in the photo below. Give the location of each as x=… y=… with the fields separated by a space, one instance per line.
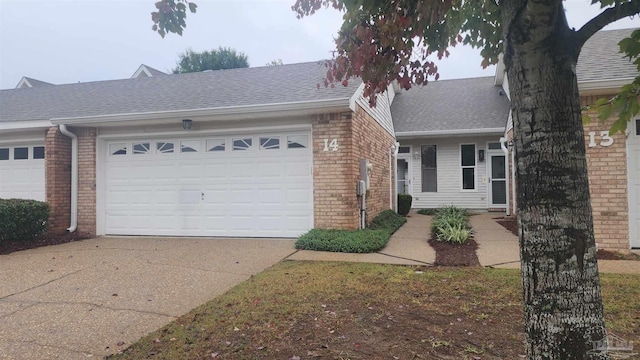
x=497 y=247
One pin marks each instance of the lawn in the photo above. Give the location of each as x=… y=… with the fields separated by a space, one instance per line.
x=306 y=310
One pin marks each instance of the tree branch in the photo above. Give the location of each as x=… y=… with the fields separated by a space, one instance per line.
x=605 y=18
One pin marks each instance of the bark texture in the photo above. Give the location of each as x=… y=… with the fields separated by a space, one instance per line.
x=562 y=299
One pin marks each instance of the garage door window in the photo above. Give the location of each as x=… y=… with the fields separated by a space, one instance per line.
x=163 y=147
x=189 y=146
x=118 y=149
x=141 y=148
x=242 y=144
x=270 y=143
x=20 y=153
x=38 y=152
x=4 y=154
x=297 y=141
x=215 y=145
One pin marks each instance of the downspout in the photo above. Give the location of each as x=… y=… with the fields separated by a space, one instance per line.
x=506 y=157
x=74 y=177
x=394 y=185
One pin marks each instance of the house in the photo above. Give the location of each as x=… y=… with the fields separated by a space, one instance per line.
x=266 y=152
x=254 y=152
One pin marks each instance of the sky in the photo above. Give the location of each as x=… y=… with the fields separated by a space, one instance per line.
x=68 y=41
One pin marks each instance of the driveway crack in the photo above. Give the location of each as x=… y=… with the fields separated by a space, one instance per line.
x=43 y=284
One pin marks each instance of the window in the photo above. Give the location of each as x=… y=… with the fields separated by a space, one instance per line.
x=495 y=146
x=242 y=144
x=189 y=146
x=429 y=169
x=141 y=148
x=297 y=141
x=404 y=150
x=468 y=163
x=270 y=143
x=20 y=153
x=164 y=147
x=118 y=149
x=38 y=152
x=638 y=127
x=215 y=145
x=4 y=154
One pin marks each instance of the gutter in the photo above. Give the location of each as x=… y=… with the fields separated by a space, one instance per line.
x=486 y=131
x=74 y=177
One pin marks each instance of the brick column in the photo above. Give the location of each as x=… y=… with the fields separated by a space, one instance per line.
x=58 y=179
x=86 y=179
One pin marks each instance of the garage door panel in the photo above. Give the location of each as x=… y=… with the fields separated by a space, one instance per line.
x=22 y=178
x=253 y=193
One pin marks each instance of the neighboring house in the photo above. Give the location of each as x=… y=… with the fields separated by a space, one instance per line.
x=260 y=152
x=265 y=152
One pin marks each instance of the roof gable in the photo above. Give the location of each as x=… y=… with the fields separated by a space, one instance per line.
x=27 y=82
x=147 y=71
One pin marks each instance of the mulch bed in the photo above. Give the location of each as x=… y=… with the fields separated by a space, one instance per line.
x=8 y=247
x=448 y=254
x=512 y=226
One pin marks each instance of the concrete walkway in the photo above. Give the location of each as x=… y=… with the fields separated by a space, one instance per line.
x=92 y=298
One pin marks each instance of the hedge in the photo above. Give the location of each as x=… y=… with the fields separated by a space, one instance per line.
x=22 y=220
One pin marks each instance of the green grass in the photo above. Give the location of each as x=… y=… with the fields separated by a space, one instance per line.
x=321 y=309
x=353 y=241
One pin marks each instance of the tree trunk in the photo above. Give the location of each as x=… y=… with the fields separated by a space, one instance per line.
x=562 y=299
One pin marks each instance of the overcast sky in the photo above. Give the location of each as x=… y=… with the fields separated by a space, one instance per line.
x=66 y=41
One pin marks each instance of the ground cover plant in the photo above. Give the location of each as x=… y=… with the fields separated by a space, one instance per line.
x=368 y=240
x=451 y=224
x=305 y=310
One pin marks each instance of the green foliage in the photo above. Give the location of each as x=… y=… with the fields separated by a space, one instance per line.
x=353 y=241
x=22 y=220
x=387 y=220
x=451 y=224
x=222 y=58
x=170 y=16
x=427 y=211
x=404 y=204
x=275 y=62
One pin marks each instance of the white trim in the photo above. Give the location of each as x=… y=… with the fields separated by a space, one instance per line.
x=409 y=159
x=486 y=131
x=475 y=167
x=505 y=151
x=222 y=113
x=354 y=98
x=30 y=141
x=23 y=81
x=612 y=84
x=141 y=69
x=25 y=124
x=128 y=134
x=489 y=168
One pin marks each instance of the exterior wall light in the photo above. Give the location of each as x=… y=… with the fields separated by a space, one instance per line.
x=186 y=124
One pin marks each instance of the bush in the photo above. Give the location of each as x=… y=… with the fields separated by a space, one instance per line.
x=451 y=224
x=354 y=241
x=387 y=220
x=22 y=220
x=427 y=211
x=404 y=204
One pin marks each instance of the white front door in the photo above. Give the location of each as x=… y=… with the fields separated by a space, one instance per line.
x=249 y=185
x=403 y=174
x=497 y=169
x=633 y=174
x=22 y=171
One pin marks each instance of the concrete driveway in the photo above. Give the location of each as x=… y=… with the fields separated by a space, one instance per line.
x=95 y=297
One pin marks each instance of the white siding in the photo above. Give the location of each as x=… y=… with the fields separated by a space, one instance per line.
x=450 y=174
x=382 y=112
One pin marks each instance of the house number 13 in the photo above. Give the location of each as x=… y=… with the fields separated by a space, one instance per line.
x=605 y=139
x=330 y=144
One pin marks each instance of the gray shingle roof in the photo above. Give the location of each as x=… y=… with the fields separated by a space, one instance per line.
x=221 y=88
x=451 y=105
x=600 y=58
x=35 y=82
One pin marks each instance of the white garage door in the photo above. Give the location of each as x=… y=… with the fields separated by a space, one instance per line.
x=245 y=185
x=22 y=172
x=633 y=169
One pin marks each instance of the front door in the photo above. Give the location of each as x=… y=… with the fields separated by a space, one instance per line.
x=633 y=174
x=403 y=175
x=497 y=180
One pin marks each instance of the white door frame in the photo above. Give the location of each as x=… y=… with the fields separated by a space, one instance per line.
x=633 y=184
x=489 y=165
x=408 y=159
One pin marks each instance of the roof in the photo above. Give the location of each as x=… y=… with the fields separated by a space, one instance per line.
x=27 y=82
x=445 y=105
x=146 y=70
x=204 y=90
x=600 y=58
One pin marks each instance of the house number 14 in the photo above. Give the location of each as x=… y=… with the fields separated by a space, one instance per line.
x=605 y=139
x=330 y=144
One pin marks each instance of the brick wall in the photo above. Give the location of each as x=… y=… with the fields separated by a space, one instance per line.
x=335 y=173
x=86 y=179
x=607 y=166
x=58 y=179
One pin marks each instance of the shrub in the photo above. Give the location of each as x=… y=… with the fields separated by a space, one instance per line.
x=354 y=241
x=427 y=211
x=22 y=219
x=404 y=204
x=451 y=224
x=387 y=220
